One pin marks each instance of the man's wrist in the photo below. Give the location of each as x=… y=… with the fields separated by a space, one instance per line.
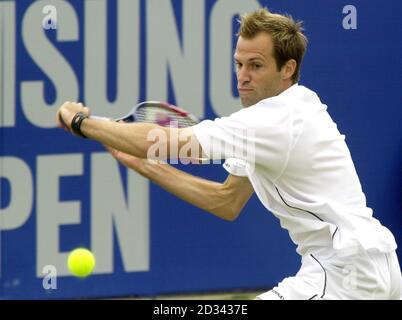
x=76 y=124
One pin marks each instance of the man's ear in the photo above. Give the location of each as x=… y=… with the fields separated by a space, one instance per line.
x=288 y=69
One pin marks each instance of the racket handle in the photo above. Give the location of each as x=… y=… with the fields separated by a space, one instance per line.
x=100 y=118
x=92 y=117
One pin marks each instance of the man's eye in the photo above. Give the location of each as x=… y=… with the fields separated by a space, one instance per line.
x=256 y=66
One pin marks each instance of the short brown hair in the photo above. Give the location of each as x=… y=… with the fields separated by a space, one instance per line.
x=288 y=39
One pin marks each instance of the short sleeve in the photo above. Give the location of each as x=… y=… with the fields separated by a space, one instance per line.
x=259 y=135
x=236 y=167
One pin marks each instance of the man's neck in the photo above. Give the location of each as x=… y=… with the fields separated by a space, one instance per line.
x=286 y=85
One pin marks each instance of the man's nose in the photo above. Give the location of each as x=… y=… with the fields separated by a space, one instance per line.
x=243 y=76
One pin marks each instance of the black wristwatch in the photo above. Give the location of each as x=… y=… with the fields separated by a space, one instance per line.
x=76 y=124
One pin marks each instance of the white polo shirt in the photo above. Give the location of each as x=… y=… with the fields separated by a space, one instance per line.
x=301 y=170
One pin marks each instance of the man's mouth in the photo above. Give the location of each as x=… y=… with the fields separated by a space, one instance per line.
x=244 y=90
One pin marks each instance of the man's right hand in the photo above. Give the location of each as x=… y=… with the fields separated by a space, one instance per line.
x=66 y=113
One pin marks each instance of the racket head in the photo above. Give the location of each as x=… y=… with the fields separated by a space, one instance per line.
x=161 y=113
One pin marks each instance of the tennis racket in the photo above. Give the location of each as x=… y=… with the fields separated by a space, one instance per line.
x=161 y=113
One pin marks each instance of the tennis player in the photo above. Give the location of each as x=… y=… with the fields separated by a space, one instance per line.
x=301 y=168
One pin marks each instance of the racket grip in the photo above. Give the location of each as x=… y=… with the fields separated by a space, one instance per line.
x=92 y=117
x=100 y=118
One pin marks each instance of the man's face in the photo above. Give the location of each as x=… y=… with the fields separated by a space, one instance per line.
x=257 y=75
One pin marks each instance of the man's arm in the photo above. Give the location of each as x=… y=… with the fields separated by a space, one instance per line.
x=133 y=138
x=225 y=200
x=129 y=142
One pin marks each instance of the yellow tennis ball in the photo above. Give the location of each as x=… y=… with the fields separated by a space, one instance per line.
x=81 y=262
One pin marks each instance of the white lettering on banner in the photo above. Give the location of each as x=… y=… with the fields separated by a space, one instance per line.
x=221 y=64
x=184 y=61
x=52 y=213
x=170 y=52
x=112 y=210
x=47 y=58
x=127 y=55
x=19 y=177
x=129 y=215
x=7 y=64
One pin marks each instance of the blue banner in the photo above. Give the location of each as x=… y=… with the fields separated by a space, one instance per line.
x=59 y=192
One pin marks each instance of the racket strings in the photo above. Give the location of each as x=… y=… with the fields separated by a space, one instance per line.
x=163 y=117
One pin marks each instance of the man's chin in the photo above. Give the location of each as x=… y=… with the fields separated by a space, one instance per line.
x=247 y=102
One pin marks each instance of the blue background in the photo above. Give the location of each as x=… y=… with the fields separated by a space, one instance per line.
x=357 y=73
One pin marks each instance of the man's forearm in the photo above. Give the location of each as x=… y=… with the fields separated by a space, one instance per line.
x=137 y=139
x=129 y=138
x=208 y=195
